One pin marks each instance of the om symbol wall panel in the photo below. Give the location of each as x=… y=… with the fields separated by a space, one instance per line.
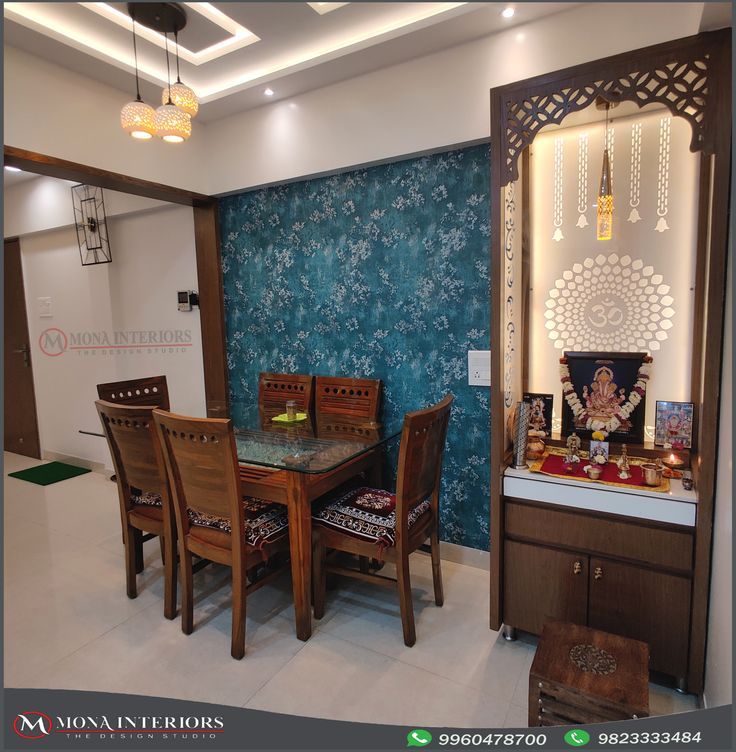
x=633 y=293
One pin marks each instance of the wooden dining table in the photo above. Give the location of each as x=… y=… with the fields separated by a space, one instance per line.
x=295 y=464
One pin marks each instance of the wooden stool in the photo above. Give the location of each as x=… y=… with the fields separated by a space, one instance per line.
x=581 y=675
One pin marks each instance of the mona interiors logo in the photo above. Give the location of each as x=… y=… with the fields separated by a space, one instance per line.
x=54 y=341
x=33 y=724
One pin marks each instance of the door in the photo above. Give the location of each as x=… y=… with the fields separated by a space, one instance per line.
x=543 y=584
x=645 y=605
x=21 y=425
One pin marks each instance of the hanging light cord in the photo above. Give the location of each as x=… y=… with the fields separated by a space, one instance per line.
x=608 y=107
x=168 y=72
x=176 y=42
x=135 y=56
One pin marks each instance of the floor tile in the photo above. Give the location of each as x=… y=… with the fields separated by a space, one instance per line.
x=333 y=678
x=69 y=623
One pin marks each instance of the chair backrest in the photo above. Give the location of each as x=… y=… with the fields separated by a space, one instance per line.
x=357 y=398
x=202 y=464
x=152 y=391
x=136 y=452
x=420 y=457
x=274 y=389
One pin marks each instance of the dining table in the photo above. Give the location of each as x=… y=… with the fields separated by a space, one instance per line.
x=295 y=464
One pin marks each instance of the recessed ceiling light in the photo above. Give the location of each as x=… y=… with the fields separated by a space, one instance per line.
x=508 y=12
x=268 y=92
x=13 y=169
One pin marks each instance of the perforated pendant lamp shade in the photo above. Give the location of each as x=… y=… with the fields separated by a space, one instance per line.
x=181 y=96
x=179 y=93
x=137 y=119
x=172 y=124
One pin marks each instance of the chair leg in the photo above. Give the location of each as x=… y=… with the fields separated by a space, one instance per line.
x=434 y=544
x=162 y=545
x=131 y=567
x=405 y=603
x=168 y=554
x=363 y=563
x=187 y=591
x=138 y=548
x=240 y=582
x=319 y=577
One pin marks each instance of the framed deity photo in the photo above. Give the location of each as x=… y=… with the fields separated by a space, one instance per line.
x=540 y=417
x=673 y=424
x=604 y=391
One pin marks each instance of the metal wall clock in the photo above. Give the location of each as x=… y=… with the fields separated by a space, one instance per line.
x=91 y=224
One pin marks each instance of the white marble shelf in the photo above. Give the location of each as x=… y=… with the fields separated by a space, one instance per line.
x=676 y=506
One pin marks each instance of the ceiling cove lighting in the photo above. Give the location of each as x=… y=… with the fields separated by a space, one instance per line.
x=10 y=168
x=508 y=12
x=172 y=121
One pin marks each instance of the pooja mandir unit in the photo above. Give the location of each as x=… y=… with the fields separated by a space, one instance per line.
x=636 y=564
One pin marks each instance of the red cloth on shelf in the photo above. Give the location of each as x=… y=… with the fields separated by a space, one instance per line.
x=554 y=464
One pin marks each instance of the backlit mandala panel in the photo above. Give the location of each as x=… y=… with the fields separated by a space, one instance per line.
x=609 y=303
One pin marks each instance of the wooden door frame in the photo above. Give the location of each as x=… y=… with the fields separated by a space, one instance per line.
x=37 y=437
x=207 y=247
x=518 y=111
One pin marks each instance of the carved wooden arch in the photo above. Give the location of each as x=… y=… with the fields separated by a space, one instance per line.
x=685 y=77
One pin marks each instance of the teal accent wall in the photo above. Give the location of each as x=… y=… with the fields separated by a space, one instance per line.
x=380 y=273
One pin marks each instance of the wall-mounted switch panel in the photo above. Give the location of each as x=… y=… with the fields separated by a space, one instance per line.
x=479 y=367
x=44 y=308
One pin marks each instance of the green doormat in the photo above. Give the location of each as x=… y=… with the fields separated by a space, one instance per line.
x=51 y=472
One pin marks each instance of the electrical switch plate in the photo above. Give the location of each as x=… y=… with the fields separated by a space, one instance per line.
x=479 y=367
x=44 y=308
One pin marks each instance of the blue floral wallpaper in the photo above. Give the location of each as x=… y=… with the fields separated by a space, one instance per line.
x=380 y=273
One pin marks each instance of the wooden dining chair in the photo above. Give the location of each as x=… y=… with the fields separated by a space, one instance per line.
x=202 y=465
x=143 y=490
x=352 y=398
x=274 y=389
x=373 y=523
x=151 y=390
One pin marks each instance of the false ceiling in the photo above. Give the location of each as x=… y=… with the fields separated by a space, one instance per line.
x=230 y=53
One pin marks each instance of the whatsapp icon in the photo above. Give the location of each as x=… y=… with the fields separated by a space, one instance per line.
x=577 y=737
x=418 y=738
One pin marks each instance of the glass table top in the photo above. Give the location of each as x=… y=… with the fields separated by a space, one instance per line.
x=311 y=446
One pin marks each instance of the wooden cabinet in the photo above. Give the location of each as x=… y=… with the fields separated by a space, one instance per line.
x=619 y=576
x=650 y=606
x=543 y=584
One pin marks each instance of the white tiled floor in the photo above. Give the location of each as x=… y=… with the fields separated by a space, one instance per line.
x=69 y=624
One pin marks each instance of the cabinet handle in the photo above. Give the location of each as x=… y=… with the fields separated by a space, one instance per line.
x=598 y=573
x=577 y=567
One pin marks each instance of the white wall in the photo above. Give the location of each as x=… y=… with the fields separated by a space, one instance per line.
x=426 y=103
x=433 y=101
x=51 y=110
x=153 y=257
x=718 y=667
x=43 y=203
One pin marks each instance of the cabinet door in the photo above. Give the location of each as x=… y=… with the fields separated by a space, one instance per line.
x=542 y=584
x=645 y=605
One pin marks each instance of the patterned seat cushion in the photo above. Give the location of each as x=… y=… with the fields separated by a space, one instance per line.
x=144 y=498
x=265 y=522
x=368 y=514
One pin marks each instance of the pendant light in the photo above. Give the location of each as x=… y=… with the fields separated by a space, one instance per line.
x=137 y=117
x=180 y=94
x=172 y=124
x=604 y=230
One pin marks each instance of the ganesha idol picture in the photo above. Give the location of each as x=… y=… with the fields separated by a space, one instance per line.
x=605 y=392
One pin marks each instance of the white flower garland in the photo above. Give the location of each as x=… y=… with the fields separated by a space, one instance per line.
x=622 y=413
